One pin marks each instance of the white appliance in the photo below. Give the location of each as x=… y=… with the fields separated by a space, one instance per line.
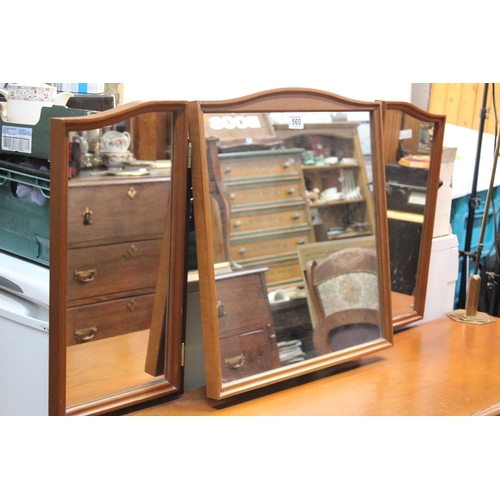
x=443 y=275
x=24 y=337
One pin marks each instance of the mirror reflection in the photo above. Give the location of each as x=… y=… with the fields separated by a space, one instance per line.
x=119 y=193
x=408 y=153
x=294 y=232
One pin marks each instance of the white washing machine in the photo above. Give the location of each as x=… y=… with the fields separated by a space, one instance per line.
x=24 y=337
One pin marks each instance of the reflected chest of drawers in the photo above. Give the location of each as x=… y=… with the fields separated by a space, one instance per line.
x=269 y=215
x=113 y=254
x=247 y=335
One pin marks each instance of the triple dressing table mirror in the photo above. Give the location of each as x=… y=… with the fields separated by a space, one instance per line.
x=413 y=144
x=291 y=231
x=117 y=257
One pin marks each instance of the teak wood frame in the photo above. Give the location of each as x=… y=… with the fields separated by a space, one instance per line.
x=166 y=315
x=279 y=100
x=433 y=180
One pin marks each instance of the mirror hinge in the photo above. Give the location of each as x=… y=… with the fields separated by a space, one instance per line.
x=190 y=147
x=183 y=353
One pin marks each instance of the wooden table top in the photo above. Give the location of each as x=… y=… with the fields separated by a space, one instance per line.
x=441 y=367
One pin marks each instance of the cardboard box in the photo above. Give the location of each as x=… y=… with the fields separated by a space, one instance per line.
x=442 y=225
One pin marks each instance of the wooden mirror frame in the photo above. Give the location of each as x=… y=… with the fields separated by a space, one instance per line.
x=279 y=100
x=401 y=317
x=168 y=314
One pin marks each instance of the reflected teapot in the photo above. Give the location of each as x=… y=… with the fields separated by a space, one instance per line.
x=25 y=102
x=114 y=142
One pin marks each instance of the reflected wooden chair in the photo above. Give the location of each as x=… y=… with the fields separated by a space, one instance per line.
x=343 y=288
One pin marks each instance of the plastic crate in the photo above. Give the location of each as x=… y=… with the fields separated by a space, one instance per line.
x=24 y=225
x=33 y=140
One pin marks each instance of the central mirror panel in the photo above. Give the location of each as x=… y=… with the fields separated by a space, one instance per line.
x=290 y=185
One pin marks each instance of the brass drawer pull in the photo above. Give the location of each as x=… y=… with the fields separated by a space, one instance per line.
x=132 y=250
x=221 y=310
x=85 y=276
x=132 y=192
x=87 y=216
x=236 y=362
x=85 y=335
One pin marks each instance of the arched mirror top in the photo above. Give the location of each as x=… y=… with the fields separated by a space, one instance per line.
x=289 y=200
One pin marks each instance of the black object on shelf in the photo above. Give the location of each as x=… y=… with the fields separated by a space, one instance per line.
x=91 y=102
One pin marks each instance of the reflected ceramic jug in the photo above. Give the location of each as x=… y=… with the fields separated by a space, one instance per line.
x=114 y=142
x=25 y=102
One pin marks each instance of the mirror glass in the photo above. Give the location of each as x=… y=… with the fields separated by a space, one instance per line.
x=412 y=147
x=116 y=245
x=293 y=215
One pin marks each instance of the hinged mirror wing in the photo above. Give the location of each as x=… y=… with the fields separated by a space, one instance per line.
x=413 y=144
x=291 y=231
x=117 y=257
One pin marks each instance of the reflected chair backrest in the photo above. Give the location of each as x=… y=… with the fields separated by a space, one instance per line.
x=346 y=279
x=343 y=289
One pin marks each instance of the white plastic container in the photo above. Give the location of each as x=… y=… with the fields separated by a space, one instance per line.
x=24 y=337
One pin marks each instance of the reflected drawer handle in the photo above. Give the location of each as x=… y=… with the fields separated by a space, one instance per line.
x=227 y=170
x=291 y=191
x=232 y=196
x=85 y=335
x=132 y=192
x=237 y=223
x=242 y=251
x=221 y=310
x=85 y=276
x=236 y=362
x=295 y=216
x=87 y=216
x=286 y=164
x=300 y=242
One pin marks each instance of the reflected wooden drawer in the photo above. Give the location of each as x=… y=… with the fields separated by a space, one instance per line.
x=283 y=273
x=247 y=354
x=238 y=288
x=259 y=164
x=274 y=245
x=108 y=319
x=116 y=211
x=289 y=191
x=258 y=221
x=108 y=269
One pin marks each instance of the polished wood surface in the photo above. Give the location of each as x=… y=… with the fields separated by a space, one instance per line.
x=440 y=367
x=124 y=354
